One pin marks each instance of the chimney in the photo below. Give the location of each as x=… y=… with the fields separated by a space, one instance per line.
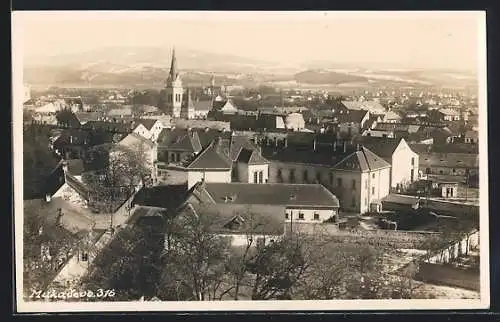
x=48 y=197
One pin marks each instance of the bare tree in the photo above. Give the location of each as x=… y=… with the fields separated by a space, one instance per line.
x=124 y=169
x=194 y=260
x=277 y=267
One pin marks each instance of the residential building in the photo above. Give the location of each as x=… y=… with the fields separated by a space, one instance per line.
x=144 y=148
x=361 y=180
x=350 y=122
x=446 y=167
x=294 y=122
x=306 y=203
x=233 y=159
x=403 y=160
x=471 y=137
x=211 y=165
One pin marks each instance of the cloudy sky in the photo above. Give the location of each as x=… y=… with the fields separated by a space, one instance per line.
x=399 y=39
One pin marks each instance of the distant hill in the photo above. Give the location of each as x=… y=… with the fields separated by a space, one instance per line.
x=148 y=66
x=326 y=77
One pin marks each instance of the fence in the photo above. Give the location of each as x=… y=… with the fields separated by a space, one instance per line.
x=392 y=238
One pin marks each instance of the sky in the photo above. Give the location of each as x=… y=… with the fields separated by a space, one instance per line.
x=399 y=39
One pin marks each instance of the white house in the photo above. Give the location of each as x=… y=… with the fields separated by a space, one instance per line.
x=295 y=121
x=404 y=161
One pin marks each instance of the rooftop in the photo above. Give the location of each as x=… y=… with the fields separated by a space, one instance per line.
x=134 y=140
x=212 y=157
x=362 y=160
x=312 y=195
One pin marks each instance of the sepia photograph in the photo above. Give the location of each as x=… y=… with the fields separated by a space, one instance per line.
x=204 y=160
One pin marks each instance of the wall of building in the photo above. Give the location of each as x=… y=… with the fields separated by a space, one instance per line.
x=299 y=168
x=324 y=214
x=252 y=168
x=402 y=165
x=209 y=176
x=241 y=240
x=350 y=197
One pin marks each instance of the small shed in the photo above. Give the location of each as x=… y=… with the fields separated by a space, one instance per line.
x=448 y=189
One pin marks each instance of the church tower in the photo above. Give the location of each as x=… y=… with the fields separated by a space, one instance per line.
x=174 y=89
x=187 y=109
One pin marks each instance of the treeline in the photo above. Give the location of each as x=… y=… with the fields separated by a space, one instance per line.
x=183 y=261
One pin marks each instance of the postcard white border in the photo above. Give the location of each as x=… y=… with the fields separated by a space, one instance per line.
x=341 y=305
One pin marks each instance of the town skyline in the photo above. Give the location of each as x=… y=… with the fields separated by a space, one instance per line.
x=402 y=39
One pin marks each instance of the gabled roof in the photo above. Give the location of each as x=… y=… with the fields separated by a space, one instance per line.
x=362 y=160
x=189 y=142
x=449 y=111
x=401 y=199
x=383 y=147
x=472 y=134
x=147 y=123
x=228 y=219
x=73 y=136
x=251 y=157
x=312 y=195
x=354 y=116
x=108 y=126
x=452 y=160
x=203 y=105
x=134 y=139
x=211 y=157
x=84 y=117
x=120 y=111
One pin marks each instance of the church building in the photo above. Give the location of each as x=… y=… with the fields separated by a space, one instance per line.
x=179 y=100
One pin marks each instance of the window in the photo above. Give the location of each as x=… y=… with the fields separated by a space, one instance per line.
x=305 y=176
x=301 y=216
x=366 y=184
x=412 y=175
x=373 y=176
x=353 y=204
x=339 y=182
x=316 y=216
x=373 y=190
x=279 y=175
x=454 y=170
x=292 y=175
x=427 y=170
x=255 y=174
x=84 y=257
x=287 y=216
x=440 y=171
x=353 y=184
x=330 y=177
x=318 y=176
x=412 y=161
x=261 y=176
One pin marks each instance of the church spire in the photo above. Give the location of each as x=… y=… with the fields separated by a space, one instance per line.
x=173 y=67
